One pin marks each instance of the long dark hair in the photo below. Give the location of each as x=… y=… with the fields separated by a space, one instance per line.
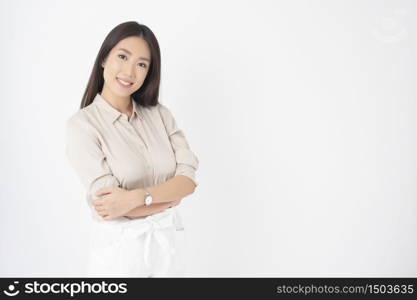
x=148 y=93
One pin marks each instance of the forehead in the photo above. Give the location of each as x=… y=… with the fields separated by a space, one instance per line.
x=136 y=45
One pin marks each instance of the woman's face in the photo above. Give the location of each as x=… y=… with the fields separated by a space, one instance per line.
x=128 y=61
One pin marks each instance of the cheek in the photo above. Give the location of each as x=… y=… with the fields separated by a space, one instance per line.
x=141 y=74
x=106 y=73
x=111 y=69
x=140 y=78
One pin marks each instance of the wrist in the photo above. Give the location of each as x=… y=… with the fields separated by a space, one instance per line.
x=148 y=197
x=137 y=197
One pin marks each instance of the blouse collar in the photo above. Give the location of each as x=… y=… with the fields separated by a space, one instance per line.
x=114 y=113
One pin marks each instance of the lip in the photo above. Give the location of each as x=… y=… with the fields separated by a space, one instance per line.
x=125 y=86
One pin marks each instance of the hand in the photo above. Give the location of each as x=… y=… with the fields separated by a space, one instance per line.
x=176 y=202
x=116 y=202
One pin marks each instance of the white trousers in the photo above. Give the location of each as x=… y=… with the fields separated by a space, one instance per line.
x=152 y=246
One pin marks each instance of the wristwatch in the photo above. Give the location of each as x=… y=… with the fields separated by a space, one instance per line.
x=148 y=197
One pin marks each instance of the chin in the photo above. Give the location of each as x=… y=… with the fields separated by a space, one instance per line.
x=118 y=94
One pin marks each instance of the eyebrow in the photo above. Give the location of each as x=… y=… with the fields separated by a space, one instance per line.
x=130 y=53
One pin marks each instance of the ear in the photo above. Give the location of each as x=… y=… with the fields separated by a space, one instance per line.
x=103 y=63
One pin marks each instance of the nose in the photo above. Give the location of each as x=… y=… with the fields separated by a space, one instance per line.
x=129 y=72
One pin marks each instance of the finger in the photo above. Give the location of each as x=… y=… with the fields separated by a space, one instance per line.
x=99 y=209
x=103 y=214
x=98 y=202
x=104 y=190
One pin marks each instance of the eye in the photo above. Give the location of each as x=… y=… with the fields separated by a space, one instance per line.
x=143 y=64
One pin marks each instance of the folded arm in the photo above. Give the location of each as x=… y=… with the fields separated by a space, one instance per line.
x=184 y=181
x=84 y=153
x=142 y=211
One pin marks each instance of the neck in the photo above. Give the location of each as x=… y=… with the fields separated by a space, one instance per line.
x=124 y=105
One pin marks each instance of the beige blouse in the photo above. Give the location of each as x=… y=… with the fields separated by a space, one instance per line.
x=106 y=148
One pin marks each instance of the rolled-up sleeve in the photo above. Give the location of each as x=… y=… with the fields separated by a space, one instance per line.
x=187 y=161
x=84 y=153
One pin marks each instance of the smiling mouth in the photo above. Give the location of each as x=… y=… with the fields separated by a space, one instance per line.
x=124 y=83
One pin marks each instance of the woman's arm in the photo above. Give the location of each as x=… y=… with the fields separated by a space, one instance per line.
x=171 y=190
x=85 y=155
x=145 y=210
x=183 y=183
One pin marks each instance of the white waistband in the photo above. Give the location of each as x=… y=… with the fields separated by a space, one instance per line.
x=165 y=218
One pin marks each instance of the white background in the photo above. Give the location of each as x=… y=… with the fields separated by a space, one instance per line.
x=302 y=114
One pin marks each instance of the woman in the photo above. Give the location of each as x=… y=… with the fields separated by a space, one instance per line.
x=133 y=160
